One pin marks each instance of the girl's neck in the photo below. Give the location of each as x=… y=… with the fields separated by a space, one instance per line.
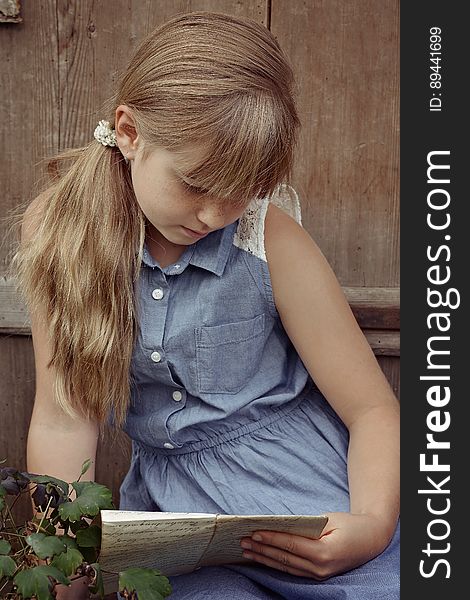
x=164 y=252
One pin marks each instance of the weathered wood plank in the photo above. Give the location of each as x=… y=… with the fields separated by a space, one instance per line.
x=14 y=316
x=390 y=366
x=29 y=96
x=383 y=343
x=346 y=58
x=375 y=307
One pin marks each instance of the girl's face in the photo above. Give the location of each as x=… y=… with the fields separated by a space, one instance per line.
x=178 y=216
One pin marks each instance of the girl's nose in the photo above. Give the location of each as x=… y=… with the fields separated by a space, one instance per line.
x=211 y=215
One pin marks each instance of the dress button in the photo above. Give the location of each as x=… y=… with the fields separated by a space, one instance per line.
x=168 y=445
x=177 y=395
x=157 y=294
x=156 y=356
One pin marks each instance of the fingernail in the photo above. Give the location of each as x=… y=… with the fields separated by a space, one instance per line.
x=246 y=545
x=257 y=537
x=247 y=555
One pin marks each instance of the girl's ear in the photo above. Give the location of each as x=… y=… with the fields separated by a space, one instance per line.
x=126 y=132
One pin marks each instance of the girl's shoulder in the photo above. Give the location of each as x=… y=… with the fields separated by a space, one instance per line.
x=285 y=240
x=295 y=261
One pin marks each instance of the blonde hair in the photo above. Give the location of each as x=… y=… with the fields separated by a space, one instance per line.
x=202 y=79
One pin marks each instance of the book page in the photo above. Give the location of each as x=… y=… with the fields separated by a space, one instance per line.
x=225 y=544
x=170 y=542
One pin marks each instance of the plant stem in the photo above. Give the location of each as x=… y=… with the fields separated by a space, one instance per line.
x=4 y=585
x=45 y=513
x=10 y=516
x=9 y=533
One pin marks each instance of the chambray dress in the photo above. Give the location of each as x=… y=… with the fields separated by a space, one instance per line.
x=225 y=418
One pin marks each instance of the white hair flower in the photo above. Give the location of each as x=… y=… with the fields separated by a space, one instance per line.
x=105 y=134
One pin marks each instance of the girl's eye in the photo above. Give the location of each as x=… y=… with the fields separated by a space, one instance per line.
x=191 y=189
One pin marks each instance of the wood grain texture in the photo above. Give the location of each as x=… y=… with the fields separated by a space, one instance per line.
x=345 y=55
x=17 y=385
x=383 y=343
x=375 y=307
x=391 y=368
x=14 y=317
x=28 y=95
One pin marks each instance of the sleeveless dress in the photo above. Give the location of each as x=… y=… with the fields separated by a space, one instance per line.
x=225 y=418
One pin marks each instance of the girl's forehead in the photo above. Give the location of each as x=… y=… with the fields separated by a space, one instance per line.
x=184 y=162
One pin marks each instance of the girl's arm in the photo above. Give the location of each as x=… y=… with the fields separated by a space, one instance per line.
x=57 y=444
x=321 y=326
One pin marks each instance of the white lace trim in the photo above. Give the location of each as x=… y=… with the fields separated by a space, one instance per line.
x=250 y=231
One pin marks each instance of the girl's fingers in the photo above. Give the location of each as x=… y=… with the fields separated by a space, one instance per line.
x=292 y=544
x=285 y=555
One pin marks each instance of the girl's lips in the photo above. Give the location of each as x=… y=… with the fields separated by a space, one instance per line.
x=192 y=233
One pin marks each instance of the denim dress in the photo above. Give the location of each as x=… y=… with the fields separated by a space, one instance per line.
x=225 y=418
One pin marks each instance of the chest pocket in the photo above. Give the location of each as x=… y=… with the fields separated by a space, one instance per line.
x=228 y=355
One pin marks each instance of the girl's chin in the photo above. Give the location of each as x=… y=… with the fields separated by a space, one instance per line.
x=192 y=235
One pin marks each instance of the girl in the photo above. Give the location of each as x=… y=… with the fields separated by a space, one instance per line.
x=173 y=290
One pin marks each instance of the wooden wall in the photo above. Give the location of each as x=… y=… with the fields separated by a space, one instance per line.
x=60 y=64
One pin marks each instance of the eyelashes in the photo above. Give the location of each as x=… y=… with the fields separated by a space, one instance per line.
x=193 y=190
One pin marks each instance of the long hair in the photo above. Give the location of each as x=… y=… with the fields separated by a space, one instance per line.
x=201 y=79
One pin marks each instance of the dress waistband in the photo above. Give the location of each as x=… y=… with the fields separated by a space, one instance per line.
x=271 y=417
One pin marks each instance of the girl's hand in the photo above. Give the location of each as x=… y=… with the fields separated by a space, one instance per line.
x=349 y=540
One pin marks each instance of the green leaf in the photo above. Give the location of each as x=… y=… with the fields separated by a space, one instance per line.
x=89 y=538
x=35 y=582
x=4 y=547
x=7 y=566
x=98 y=586
x=61 y=486
x=91 y=498
x=68 y=562
x=45 y=546
x=86 y=466
x=70 y=542
x=48 y=527
x=149 y=584
x=89 y=554
x=78 y=525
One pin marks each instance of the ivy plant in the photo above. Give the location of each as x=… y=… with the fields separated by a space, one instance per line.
x=61 y=540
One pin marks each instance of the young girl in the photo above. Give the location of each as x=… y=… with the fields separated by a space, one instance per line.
x=173 y=290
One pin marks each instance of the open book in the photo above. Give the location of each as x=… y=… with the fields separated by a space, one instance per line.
x=178 y=543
